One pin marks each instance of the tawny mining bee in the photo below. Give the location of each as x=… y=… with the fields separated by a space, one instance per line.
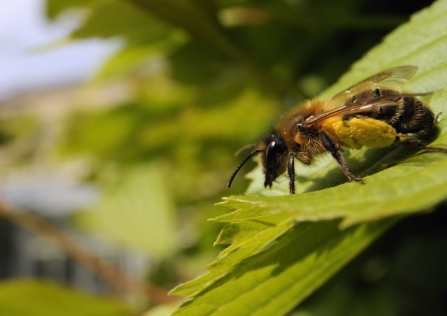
x=373 y=113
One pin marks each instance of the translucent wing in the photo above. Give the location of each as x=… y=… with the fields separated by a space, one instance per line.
x=391 y=76
x=372 y=104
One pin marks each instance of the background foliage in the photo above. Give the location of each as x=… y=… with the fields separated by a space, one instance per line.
x=209 y=77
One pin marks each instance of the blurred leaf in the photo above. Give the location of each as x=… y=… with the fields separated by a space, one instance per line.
x=11 y=128
x=56 y=7
x=23 y=298
x=283 y=248
x=113 y=18
x=322 y=15
x=130 y=60
x=293 y=38
x=137 y=213
x=135 y=132
x=102 y=132
x=249 y=107
x=196 y=64
x=162 y=310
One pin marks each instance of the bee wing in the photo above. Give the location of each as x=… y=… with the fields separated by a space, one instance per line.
x=363 y=106
x=391 y=76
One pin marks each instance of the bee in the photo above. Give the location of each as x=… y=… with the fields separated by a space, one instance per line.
x=373 y=113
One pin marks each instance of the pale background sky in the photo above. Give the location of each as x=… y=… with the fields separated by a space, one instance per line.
x=24 y=29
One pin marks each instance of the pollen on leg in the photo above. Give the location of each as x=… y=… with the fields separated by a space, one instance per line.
x=364 y=131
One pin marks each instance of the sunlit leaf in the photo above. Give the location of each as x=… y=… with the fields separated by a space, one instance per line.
x=286 y=271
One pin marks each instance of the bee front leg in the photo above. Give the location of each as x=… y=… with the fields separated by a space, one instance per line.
x=291 y=172
x=335 y=151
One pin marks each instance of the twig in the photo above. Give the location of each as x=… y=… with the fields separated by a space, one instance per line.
x=116 y=277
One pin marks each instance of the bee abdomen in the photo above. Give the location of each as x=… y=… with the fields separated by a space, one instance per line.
x=413 y=117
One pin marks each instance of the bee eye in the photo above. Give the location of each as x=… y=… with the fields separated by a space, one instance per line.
x=270 y=154
x=300 y=126
x=275 y=152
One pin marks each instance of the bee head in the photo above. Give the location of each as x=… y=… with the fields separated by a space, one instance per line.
x=274 y=157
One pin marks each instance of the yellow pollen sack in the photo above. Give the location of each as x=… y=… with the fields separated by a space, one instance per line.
x=363 y=131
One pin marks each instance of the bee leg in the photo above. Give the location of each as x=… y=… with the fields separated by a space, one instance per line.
x=335 y=151
x=416 y=143
x=437 y=120
x=291 y=172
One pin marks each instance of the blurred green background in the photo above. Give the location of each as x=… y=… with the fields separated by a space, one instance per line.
x=130 y=160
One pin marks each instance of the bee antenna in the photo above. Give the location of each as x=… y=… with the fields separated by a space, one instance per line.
x=243 y=148
x=241 y=164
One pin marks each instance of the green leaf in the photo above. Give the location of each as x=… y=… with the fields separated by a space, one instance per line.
x=27 y=297
x=162 y=310
x=128 y=61
x=248 y=238
x=111 y=18
x=290 y=268
x=284 y=247
x=137 y=213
